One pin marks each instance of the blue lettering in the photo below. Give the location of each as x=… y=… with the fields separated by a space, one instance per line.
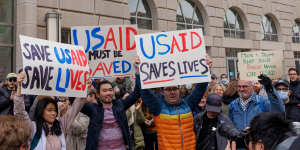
x=166 y=45
x=123 y=66
x=60 y=60
x=74 y=32
x=67 y=78
x=59 y=89
x=88 y=41
x=68 y=56
x=116 y=66
x=100 y=37
x=143 y=50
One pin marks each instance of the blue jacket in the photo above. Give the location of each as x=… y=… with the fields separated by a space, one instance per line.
x=174 y=123
x=119 y=107
x=258 y=104
x=158 y=105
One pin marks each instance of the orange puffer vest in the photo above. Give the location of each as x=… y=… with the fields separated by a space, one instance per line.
x=175 y=127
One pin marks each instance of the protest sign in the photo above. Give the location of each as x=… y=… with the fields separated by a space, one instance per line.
x=172 y=58
x=53 y=69
x=252 y=64
x=110 y=49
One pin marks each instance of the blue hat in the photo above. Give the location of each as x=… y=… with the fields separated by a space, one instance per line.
x=214 y=103
x=285 y=83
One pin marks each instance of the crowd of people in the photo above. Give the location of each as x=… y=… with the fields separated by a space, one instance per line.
x=221 y=114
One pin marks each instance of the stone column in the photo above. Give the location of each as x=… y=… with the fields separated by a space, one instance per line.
x=26 y=24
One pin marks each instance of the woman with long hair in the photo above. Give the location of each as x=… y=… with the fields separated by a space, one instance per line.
x=48 y=128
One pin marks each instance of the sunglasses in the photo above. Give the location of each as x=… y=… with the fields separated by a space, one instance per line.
x=12 y=79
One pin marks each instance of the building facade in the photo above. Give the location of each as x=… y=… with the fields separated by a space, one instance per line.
x=230 y=26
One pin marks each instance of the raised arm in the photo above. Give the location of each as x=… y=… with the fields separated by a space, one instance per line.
x=195 y=97
x=67 y=119
x=19 y=106
x=135 y=95
x=151 y=101
x=273 y=103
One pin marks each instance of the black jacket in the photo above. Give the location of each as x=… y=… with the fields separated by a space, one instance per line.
x=119 y=107
x=295 y=92
x=225 y=128
x=7 y=105
x=292 y=108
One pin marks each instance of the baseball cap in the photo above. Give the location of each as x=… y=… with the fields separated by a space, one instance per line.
x=11 y=75
x=285 y=83
x=214 y=103
x=214 y=76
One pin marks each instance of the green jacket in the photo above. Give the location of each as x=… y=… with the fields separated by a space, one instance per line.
x=139 y=119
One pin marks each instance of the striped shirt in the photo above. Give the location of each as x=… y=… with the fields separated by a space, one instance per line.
x=111 y=137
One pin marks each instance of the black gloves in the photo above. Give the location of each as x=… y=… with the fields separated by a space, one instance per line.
x=267 y=82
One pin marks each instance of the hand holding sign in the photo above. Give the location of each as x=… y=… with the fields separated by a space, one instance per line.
x=137 y=63
x=53 y=69
x=110 y=49
x=172 y=58
x=20 y=79
x=208 y=61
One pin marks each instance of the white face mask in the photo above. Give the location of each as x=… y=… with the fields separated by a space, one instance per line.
x=283 y=94
x=189 y=86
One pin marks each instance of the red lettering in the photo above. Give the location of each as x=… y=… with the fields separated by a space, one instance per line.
x=73 y=79
x=85 y=80
x=110 y=37
x=78 y=56
x=182 y=35
x=121 y=38
x=90 y=73
x=128 y=30
x=78 y=80
x=74 y=58
x=107 y=70
x=83 y=58
x=192 y=40
x=174 y=43
x=99 y=68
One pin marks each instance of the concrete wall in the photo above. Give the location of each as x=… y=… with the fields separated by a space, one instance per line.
x=31 y=16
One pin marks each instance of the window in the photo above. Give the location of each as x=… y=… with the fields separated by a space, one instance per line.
x=268 y=28
x=233 y=25
x=297 y=59
x=188 y=16
x=140 y=14
x=66 y=36
x=7 y=30
x=296 y=32
x=232 y=62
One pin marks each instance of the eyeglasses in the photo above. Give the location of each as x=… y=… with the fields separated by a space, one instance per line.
x=171 y=89
x=243 y=86
x=12 y=79
x=292 y=74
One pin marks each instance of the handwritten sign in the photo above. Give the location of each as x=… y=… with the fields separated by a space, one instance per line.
x=53 y=69
x=172 y=58
x=252 y=64
x=110 y=49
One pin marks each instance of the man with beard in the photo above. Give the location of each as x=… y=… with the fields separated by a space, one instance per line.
x=249 y=104
x=108 y=127
x=7 y=93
